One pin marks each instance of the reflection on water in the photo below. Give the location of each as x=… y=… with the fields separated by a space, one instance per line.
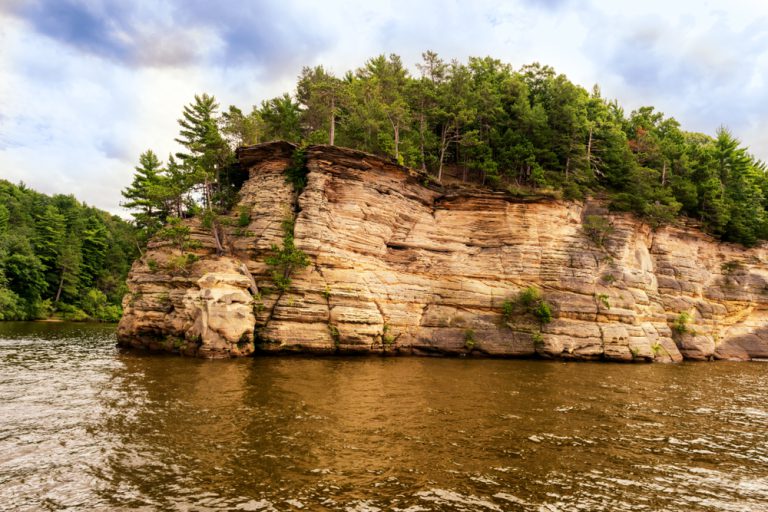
x=84 y=425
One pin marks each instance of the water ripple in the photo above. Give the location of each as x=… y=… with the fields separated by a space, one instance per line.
x=83 y=425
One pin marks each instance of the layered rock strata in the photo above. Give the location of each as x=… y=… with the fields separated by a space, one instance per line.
x=401 y=265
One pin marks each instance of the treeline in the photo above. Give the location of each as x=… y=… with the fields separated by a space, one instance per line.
x=59 y=257
x=523 y=130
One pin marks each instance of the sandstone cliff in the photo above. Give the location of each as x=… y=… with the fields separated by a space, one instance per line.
x=401 y=265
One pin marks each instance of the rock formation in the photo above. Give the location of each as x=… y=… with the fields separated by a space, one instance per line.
x=399 y=264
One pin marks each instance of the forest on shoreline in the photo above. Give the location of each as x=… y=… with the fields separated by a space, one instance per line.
x=60 y=258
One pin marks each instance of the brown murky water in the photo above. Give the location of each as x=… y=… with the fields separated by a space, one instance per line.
x=85 y=426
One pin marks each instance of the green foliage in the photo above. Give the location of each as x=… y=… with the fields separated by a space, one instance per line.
x=507 y=309
x=207 y=154
x=527 y=130
x=543 y=312
x=177 y=264
x=322 y=96
x=387 y=338
x=148 y=194
x=597 y=229
x=533 y=303
x=529 y=297
x=244 y=219
x=176 y=232
x=53 y=250
x=72 y=313
x=603 y=299
x=12 y=307
x=680 y=324
x=731 y=267
x=207 y=219
x=286 y=259
x=469 y=339
x=96 y=306
x=296 y=173
x=335 y=335
x=281 y=118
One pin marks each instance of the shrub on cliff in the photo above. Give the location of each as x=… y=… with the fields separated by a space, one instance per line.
x=296 y=173
x=533 y=303
x=597 y=229
x=286 y=259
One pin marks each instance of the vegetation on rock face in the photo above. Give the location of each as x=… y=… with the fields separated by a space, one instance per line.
x=469 y=339
x=534 y=304
x=286 y=259
x=526 y=129
x=296 y=173
x=597 y=229
x=59 y=256
x=680 y=324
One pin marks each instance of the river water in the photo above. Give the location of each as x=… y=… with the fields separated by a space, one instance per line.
x=84 y=425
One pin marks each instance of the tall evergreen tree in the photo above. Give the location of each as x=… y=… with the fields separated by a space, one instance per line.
x=207 y=153
x=146 y=193
x=321 y=96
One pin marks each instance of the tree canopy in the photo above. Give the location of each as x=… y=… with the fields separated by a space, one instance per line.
x=525 y=130
x=60 y=255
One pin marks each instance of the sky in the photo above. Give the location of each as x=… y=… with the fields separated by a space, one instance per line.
x=88 y=85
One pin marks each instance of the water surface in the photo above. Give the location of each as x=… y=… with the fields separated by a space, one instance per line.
x=84 y=425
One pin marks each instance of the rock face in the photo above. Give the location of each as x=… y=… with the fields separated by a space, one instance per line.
x=401 y=265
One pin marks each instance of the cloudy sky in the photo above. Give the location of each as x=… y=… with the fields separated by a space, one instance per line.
x=87 y=85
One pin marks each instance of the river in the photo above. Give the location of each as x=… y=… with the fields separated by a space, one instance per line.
x=84 y=425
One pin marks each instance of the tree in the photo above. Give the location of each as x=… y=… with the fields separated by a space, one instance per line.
x=43 y=243
x=147 y=193
x=48 y=241
x=741 y=178
x=239 y=129
x=455 y=112
x=386 y=80
x=320 y=94
x=423 y=93
x=206 y=151
x=95 y=242
x=281 y=118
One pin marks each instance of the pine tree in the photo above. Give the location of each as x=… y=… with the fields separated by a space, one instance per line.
x=147 y=194
x=48 y=242
x=320 y=94
x=94 y=249
x=239 y=129
x=206 y=150
x=281 y=118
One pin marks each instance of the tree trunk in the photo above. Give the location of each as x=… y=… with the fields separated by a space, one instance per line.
x=443 y=147
x=664 y=174
x=421 y=143
x=332 y=135
x=219 y=247
x=61 y=285
x=589 y=150
x=252 y=286
x=207 y=192
x=397 y=141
